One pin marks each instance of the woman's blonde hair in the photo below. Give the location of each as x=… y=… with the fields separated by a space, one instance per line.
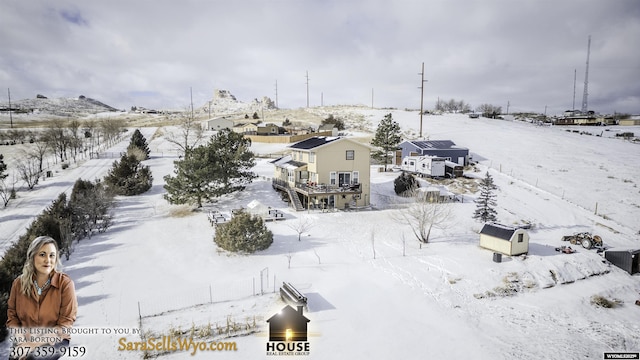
x=28 y=270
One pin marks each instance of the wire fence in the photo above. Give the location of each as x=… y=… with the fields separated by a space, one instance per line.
x=179 y=299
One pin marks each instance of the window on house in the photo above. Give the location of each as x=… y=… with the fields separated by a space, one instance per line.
x=332 y=178
x=344 y=178
x=356 y=177
x=312 y=157
x=520 y=238
x=350 y=154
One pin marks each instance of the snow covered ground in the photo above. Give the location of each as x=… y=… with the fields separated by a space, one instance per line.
x=444 y=300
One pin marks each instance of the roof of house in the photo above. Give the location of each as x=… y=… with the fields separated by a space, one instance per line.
x=326 y=127
x=631 y=251
x=498 y=230
x=435 y=144
x=314 y=142
x=287 y=162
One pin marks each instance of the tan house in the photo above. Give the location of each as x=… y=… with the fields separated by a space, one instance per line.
x=268 y=129
x=504 y=239
x=247 y=129
x=325 y=172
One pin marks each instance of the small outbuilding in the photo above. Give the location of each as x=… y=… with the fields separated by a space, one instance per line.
x=627 y=260
x=504 y=239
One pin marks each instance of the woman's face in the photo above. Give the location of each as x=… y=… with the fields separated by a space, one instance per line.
x=45 y=259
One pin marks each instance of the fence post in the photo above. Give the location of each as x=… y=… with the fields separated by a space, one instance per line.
x=139 y=313
x=210 y=295
x=254 y=286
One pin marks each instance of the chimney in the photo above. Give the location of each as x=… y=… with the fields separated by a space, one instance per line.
x=300 y=309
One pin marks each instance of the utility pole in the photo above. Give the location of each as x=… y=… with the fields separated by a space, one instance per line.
x=573 y=107
x=585 y=95
x=307 y=88
x=508 y=104
x=191 y=96
x=421 y=96
x=10 y=116
x=372 y=98
x=276 y=94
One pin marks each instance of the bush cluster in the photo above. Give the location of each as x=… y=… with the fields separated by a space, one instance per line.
x=244 y=233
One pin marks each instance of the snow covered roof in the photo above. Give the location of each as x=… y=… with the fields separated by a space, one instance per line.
x=287 y=162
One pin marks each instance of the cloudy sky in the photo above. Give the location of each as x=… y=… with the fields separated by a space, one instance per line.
x=521 y=54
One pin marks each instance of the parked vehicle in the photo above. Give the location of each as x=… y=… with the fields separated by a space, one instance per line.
x=585 y=239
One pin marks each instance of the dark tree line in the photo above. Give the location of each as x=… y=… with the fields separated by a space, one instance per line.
x=86 y=211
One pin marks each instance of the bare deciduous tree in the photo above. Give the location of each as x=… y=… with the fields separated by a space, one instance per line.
x=301 y=225
x=289 y=256
x=28 y=171
x=424 y=215
x=189 y=135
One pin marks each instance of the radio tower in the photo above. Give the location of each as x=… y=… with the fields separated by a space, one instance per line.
x=585 y=95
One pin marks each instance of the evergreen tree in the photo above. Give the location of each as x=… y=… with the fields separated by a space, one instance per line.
x=221 y=167
x=243 y=233
x=486 y=202
x=129 y=177
x=338 y=123
x=89 y=205
x=3 y=168
x=387 y=139
x=404 y=184
x=140 y=142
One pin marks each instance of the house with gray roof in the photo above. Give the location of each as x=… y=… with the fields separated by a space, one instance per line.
x=440 y=148
x=325 y=172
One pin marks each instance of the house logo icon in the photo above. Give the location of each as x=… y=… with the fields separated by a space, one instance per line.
x=288 y=332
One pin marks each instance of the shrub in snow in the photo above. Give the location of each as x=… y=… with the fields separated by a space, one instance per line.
x=243 y=233
x=601 y=301
x=405 y=184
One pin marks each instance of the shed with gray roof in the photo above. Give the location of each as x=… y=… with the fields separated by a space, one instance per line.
x=504 y=239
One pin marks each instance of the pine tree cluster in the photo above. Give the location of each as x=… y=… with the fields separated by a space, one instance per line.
x=128 y=176
x=86 y=211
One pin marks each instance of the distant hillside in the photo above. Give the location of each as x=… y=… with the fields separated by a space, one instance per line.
x=57 y=106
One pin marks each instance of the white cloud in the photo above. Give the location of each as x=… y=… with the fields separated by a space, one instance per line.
x=493 y=51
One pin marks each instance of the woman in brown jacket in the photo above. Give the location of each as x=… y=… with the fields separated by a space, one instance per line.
x=42 y=303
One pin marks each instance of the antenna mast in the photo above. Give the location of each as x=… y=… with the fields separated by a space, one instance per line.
x=586 y=79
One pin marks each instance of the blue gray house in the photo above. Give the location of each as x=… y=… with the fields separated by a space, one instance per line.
x=441 y=148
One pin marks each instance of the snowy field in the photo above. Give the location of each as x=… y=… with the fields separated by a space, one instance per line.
x=443 y=300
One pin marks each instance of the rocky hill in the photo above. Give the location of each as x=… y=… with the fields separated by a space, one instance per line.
x=81 y=105
x=223 y=102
